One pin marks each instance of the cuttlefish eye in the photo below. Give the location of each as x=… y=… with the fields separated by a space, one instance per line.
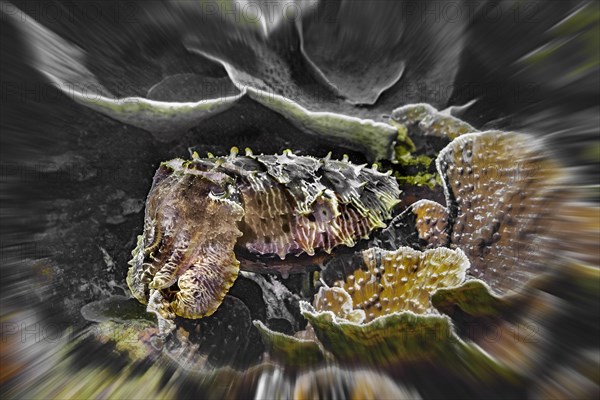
x=218 y=191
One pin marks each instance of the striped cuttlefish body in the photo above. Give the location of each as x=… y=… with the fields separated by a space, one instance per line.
x=200 y=213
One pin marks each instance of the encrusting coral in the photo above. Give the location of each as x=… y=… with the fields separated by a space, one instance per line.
x=502 y=190
x=401 y=280
x=386 y=296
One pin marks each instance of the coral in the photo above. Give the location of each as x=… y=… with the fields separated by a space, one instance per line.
x=431 y=223
x=383 y=304
x=338 y=301
x=516 y=328
x=402 y=341
x=507 y=200
x=501 y=191
x=402 y=280
x=473 y=297
x=372 y=137
x=290 y=350
x=384 y=341
x=430 y=121
x=423 y=225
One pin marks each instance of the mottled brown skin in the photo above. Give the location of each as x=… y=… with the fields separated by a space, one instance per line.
x=189 y=234
x=281 y=213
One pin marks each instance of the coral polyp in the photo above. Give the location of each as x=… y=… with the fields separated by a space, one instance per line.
x=200 y=213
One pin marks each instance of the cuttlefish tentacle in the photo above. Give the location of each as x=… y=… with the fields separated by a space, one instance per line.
x=204 y=285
